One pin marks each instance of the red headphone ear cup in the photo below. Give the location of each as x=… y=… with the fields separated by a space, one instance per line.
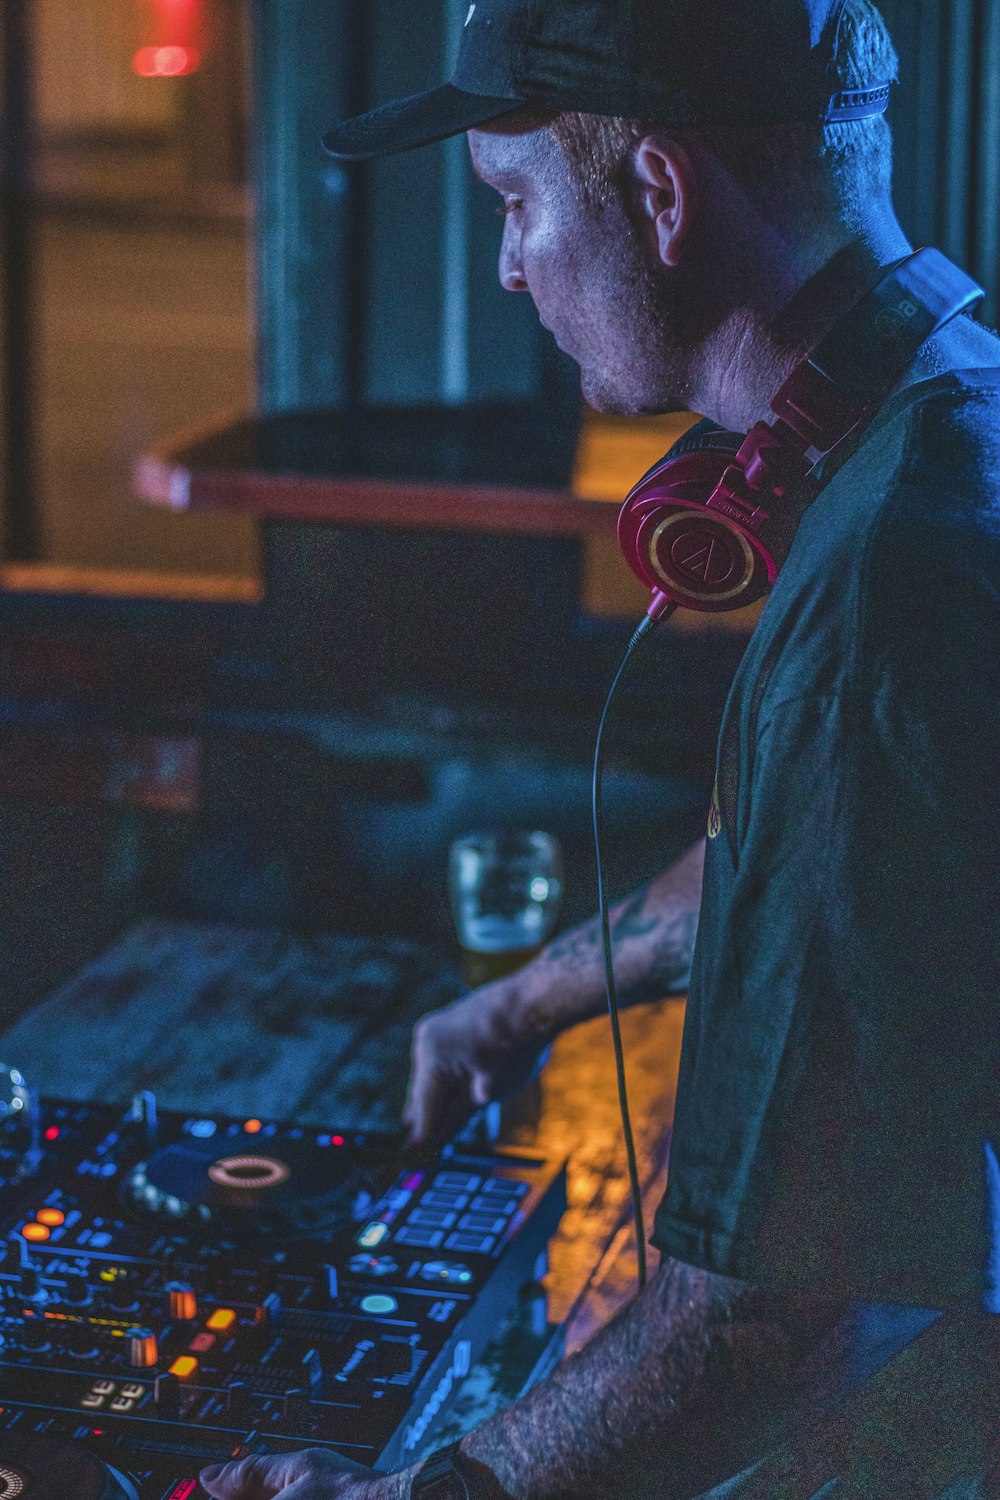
x=700 y=558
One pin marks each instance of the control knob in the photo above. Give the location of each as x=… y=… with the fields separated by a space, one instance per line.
x=33 y=1337
x=182 y=1302
x=121 y=1296
x=77 y=1292
x=29 y=1283
x=80 y=1340
x=143 y=1349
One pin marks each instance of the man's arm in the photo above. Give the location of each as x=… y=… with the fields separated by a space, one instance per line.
x=675 y=1395
x=486 y=1045
x=653 y=933
x=671 y=1398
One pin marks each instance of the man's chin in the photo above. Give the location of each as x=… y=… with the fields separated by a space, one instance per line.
x=612 y=402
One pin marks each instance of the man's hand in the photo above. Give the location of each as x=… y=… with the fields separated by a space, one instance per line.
x=466 y=1056
x=313 y=1474
x=487 y=1046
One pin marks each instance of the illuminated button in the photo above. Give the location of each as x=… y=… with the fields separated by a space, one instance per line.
x=373 y=1265
x=254 y=1127
x=372 y=1235
x=222 y=1320
x=449 y=1200
x=451 y=1273
x=379 y=1305
x=122 y=1404
x=202 y=1343
x=434 y=1218
x=92 y=1402
x=461 y=1182
x=143 y=1349
x=494 y=1204
x=202 y=1130
x=53 y=1217
x=481 y=1224
x=36 y=1234
x=423 y=1239
x=133 y=1391
x=477 y=1244
x=184 y=1367
x=103 y=1387
x=53 y=1133
x=505 y=1185
x=182 y=1302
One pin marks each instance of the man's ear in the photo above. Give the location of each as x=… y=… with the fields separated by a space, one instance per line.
x=667 y=195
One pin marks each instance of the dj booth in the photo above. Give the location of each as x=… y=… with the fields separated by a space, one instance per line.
x=232 y=1253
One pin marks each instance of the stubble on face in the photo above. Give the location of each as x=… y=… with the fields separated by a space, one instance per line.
x=590 y=272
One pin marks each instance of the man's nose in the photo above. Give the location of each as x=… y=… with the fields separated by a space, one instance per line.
x=512 y=277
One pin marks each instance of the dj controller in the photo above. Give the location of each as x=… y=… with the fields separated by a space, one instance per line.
x=179 y=1291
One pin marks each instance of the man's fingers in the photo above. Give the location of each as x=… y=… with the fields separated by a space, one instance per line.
x=251 y=1478
x=313 y=1474
x=482 y=1089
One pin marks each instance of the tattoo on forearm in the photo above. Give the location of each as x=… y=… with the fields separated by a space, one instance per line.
x=669 y=943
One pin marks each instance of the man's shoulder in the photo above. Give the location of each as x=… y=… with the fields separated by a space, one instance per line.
x=933 y=458
x=946 y=478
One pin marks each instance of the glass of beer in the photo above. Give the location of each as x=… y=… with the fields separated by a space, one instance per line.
x=505 y=893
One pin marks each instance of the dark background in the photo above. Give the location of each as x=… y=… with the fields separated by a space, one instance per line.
x=218 y=718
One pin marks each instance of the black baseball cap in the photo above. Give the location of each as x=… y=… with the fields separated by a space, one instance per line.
x=678 y=62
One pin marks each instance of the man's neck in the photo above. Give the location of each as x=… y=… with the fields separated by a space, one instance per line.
x=750 y=356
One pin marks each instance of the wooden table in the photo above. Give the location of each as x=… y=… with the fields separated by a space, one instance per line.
x=261 y=1023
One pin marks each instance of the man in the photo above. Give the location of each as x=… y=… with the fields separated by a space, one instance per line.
x=693 y=197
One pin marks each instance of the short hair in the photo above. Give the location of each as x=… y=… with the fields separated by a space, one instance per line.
x=788 y=170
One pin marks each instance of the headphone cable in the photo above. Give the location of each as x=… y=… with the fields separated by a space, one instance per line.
x=645 y=630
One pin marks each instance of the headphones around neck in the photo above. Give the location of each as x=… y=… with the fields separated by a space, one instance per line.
x=709 y=526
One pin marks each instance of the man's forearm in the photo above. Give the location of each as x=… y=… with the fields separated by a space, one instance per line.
x=661 y=1401
x=653 y=933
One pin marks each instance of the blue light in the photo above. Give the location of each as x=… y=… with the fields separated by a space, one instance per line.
x=378 y=1304
x=203 y=1129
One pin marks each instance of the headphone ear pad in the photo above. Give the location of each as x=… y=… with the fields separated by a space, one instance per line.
x=675 y=546
x=703 y=437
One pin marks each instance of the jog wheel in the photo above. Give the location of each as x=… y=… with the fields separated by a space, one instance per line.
x=50 y=1468
x=250 y=1195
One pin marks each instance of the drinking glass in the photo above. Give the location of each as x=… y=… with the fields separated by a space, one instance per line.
x=505 y=891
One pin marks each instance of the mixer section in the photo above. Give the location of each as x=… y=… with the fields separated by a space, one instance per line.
x=176 y=1291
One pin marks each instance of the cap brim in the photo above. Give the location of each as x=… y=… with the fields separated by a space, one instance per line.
x=419 y=120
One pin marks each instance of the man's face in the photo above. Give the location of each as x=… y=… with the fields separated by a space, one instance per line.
x=591 y=276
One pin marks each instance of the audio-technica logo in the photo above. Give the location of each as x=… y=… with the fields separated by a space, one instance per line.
x=703 y=555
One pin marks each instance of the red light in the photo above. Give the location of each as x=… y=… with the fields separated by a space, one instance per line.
x=166 y=62
x=184 y=1490
x=53 y=1133
x=336 y=1140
